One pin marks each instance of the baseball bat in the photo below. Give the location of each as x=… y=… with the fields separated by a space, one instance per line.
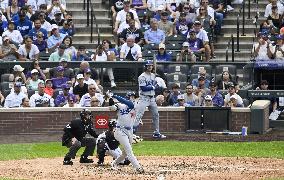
x=155 y=63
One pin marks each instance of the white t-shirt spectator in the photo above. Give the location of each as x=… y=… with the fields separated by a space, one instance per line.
x=262 y=53
x=55 y=10
x=15 y=36
x=202 y=34
x=239 y=99
x=278 y=54
x=34 y=50
x=135 y=50
x=268 y=9
x=154 y=4
x=3 y=5
x=14 y=100
x=121 y=15
x=124 y=25
x=37 y=100
x=86 y=99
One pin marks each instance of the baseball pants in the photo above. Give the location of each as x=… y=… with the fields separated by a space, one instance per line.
x=89 y=143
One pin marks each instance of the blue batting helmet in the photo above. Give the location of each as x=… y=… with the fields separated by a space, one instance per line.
x=148 y=63
x=130 y=93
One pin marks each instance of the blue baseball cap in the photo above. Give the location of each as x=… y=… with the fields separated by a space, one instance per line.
x=60 y=68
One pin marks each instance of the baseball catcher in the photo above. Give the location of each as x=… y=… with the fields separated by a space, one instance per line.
x=108 y=145
x=80 y=133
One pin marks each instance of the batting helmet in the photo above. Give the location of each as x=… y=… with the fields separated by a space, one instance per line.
x=148 y=63
x=112 y=123
x=130 y=93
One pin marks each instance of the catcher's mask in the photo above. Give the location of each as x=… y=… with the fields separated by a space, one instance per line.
x=86 y=116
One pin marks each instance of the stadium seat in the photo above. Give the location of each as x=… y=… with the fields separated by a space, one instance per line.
x=6 y=78
x=147 y=54
x=76 y=70
x=177 y=38
x=176 y=77
x=173 y=46
x=182 y=85
x=195 y=69
x=178 y=68
x=6 y=86
x=228 y=67
x=150 y=47
x=30 y=92
x=173 y=54
x=43 y=56
x=6 y=92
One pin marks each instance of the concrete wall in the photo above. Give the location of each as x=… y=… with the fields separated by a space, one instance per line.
x=53 y=120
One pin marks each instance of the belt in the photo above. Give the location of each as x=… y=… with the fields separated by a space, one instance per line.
x=125 y=127
x=147 y=96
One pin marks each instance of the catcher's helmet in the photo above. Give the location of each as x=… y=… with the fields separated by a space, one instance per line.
x=112 y=123
x=130 y=93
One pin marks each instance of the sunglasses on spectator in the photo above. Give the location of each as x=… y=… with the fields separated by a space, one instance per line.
x=205 y=2
x=92 y=88
x=40 y=37
x=202 y=9
x=208 y=100
x=185 y=7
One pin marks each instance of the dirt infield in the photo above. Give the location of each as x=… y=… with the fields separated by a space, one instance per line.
x=159 y=168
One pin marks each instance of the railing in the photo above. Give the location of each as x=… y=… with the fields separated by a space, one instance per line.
x=92 y=17
x=232 y=43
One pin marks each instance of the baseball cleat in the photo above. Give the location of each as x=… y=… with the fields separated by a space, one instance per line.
x=86 y=160
x=159 y=136
x=114 y=166
x=67 y=162
x=100 y=163
x=140 y=170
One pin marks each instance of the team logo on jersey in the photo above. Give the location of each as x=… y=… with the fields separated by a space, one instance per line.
x=101 y=122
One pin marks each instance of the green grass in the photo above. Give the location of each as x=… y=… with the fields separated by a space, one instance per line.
x=274 y=149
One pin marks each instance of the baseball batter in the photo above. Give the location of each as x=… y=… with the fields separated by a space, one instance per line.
x=124 y=131
x=147 y=86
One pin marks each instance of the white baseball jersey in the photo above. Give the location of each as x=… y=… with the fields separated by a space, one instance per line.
x=125 y=115
x=147 y=80
x=37 y=100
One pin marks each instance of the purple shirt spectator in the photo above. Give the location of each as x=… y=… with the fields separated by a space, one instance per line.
x=40 y=45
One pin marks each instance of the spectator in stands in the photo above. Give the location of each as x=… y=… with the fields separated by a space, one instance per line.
x=165 y=25
x=29 y=9
x=42 y=8
x=201 y=90
x=268 y=8
x=88 y=79
x=3 y=23
x=70 y=49
x=102 y=55
x=113 y=53
x=14 y=99
x=160 y=99
x=224 y=82
x=2 y=99
x=32 y=83
x=231 y=92
x=40 y=42
x=130 y=51
x=116 y=6
x=3 y=5
x=12 y=10
x=274 y=17
x=156 y=5
x=201 y=73
x=67 y=28
x=85 y=65
x=92 y=91
x=62 y=98
x=40 y=98
x=55 y=39
x=8 y=52
x=154 y=35
x=174 y=94
x=24 y=25
x=125 y=24
x=273 y=101
x=186 y=54
x=202 y=34
x=145 y=23
x=183 y=25
x=121 y=15
x=81 y=88
x=208 y=101
x=140 y=6
x=14 y=35
x=81 y=54
x=18 y=72
x=68 y=72
x=166 y=94
x=71 y=101
x=44 y=23
x=189 y=96
x=189 y=10
x=23 y=88
x=48 y=87
x=262 y=48
x=35 y=65
x=36 y=29
x=28 y=51
x=234 y=101
x=60 y=79
x=59 y=54
x=181 y=102
x=196 y=45
x=58 y=20
x=278 y=48
x=54 y=8
x=132 y=30
x=162 y=55
x=95 y=102
x=217 y=98
x=173 y=6
x=25 y=102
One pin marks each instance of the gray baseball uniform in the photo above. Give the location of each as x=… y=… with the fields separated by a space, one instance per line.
x=147 y=85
